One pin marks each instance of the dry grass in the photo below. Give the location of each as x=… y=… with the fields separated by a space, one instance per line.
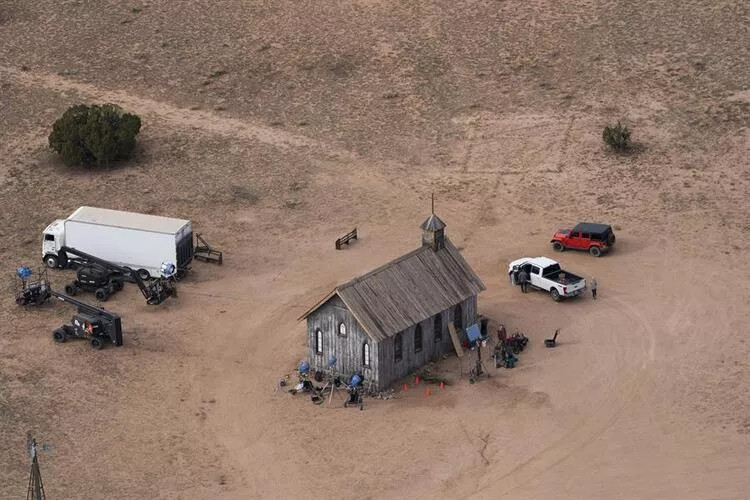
x=274 y=126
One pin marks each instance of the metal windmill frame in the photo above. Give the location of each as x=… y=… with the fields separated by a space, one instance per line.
x=36 y=488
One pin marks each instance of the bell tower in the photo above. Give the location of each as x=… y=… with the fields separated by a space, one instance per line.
x=433 y=234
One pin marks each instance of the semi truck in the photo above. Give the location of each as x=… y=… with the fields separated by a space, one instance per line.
x=140 y=242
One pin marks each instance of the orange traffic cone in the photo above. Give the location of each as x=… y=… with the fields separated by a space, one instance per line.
x=428 y=392
x=416 y=380
x=404 y=388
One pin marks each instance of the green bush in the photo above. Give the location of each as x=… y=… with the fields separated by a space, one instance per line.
x=94 y=135
x=617 y=137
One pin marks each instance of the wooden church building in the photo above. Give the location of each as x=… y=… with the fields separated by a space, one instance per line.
x=394 y=319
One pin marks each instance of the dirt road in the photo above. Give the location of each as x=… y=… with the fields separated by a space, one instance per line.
x=337 y=118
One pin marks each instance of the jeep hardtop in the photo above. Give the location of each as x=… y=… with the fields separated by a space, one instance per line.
x=594 y=238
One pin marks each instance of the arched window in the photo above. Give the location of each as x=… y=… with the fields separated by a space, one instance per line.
x=458 y=318
x=318 y=341
x=366 y=354
x=398 y=345
x=418 y=338
x=342 y=329
x=438 y=328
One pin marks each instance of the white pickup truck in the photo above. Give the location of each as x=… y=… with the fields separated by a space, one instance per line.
x=546 y=274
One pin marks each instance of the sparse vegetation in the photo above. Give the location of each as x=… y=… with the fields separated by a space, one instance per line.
x=297 y=186
x=617 y=137
x=495 y=107
x=242 y=194
x=94 y=135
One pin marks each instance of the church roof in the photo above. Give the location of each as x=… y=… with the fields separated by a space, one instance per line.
x=407 y=290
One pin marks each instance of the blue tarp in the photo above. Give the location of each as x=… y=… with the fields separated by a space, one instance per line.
x=473 y=333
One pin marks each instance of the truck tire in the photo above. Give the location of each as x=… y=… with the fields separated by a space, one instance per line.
x=59 y=335
x=51 y=261
x=143 y=274
x=101 y=294
x=96 y=343
x=595 y=251
x=71 y=289
x=117 y=285
x=557 y=246
x=555 y=294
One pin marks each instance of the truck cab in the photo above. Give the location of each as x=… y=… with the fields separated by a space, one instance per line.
x=52 y=240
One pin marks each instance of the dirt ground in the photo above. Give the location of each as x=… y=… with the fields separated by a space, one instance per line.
x=278 y=126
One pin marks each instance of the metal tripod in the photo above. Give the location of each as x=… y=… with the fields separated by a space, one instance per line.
x=479 y=368
x=36 y=488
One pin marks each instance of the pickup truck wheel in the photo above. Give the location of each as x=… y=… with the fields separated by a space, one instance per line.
x=70 y=289
x=51 y=261
x=117 y=285
x=59 y=335
x=101 y=294
x=143 y=274
x=555 y=294
x=96 y=343
x=557 y=246
x=595 y=251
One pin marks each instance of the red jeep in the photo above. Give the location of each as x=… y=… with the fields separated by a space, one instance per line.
x=595 y=238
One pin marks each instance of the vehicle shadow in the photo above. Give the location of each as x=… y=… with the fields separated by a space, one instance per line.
x=623 y=246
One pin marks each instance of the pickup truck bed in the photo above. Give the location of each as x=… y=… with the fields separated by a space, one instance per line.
x=563 y=277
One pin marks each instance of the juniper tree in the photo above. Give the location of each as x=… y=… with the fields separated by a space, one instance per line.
x=94 y=135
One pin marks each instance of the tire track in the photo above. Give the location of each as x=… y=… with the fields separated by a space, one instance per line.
x=176 y=116
x=595 y=425
x=564 y=145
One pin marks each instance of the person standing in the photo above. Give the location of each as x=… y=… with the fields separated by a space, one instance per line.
x=501 y=334
x=593 y=287
x=523 y=279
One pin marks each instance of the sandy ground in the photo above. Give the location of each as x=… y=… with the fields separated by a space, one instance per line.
x=330 y=117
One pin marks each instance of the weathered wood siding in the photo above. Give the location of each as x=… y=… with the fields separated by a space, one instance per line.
x=383 y=369
x=390 y=370
x=348 y=350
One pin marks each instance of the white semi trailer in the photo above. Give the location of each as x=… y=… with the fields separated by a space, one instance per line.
x=139 y=241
